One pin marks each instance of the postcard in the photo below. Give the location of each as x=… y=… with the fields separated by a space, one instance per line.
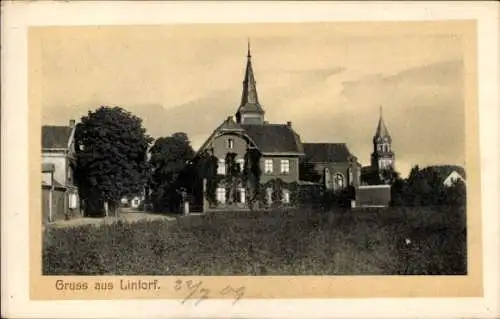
x=205 y=158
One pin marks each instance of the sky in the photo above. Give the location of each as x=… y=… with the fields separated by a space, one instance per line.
x=330 y=80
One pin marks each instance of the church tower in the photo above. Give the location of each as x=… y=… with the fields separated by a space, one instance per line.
x=249 y=111
x=382 y=156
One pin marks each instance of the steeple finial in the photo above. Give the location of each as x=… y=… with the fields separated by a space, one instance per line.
x=380 y=110
x=248 y=54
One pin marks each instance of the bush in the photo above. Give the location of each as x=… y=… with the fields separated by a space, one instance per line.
x=279 y=242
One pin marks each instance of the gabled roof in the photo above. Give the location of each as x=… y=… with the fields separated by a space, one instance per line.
x=327 y=152
x=445 y=170
x=230 y=125
x=56 y=136
x=274 y=138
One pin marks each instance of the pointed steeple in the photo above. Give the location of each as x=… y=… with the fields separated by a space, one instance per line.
x=381 y=131
x=249 y=98
x=249 y=95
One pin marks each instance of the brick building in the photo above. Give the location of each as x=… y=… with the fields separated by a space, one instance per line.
x=280 y=147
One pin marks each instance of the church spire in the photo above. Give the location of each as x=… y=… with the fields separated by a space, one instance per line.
x=382 y=156
x=381 y=131
x=249 y=98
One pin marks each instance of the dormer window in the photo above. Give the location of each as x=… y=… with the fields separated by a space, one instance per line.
x=230 y=143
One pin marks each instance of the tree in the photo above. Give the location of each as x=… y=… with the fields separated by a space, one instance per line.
x=233 y=177
x=206 y=164
x=371 y=177
x=169 y=160
x=111 y=154
x=456 y=195
x=252 y=173
x=388 y=175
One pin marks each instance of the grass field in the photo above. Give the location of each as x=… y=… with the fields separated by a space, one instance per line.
x=419 y=241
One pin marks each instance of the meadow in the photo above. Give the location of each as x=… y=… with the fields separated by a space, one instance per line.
x=388 y=241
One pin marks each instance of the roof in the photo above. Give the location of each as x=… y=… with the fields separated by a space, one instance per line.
x=56 y=136
x=327 y=152
x=48 y=167
x=230 y=125
x=381 y=130
x=445 y=170
x=249 y=97
x=274 y=138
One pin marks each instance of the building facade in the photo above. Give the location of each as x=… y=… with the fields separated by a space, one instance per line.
x=59 y=192
x=336 y=165
x=280 y=147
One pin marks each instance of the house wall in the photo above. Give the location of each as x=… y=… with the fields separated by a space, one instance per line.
x=220 y=146
x=290 y=177
x=375 y=195
x=45 y=204
x=342 y=168
x=58 y=204
x=452 y=178
x=47 y=178
x=60 y=162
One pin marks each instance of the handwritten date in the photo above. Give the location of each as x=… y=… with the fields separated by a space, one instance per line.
x=196 y=291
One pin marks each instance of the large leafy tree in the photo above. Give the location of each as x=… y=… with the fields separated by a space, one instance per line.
x=233 y=178
x=111 y=154
x=169 y=161
x=206 y=165
x=252 y=173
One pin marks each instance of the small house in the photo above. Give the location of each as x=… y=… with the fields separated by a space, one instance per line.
x=59 y=192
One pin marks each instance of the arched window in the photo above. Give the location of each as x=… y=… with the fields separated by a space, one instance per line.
x=338 y=181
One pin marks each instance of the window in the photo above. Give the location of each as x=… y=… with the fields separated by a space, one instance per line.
x=241 y=163
x=72 y=201
x=269 y=195
x=380 y=147
x=350 y=175
x=338 y=181
x=242 y=195
x=221 y=168
x=285 y=166
x=268 y=166
x=230 y=143
x=286 y=196
x=221 y=195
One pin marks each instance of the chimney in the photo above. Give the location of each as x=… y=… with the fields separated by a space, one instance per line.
x=72 y=123
x=289 y=124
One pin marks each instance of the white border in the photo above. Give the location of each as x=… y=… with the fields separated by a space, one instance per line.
x=19 y=15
